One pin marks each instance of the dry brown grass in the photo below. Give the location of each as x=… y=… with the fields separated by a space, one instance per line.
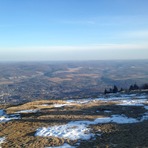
x=21 y=133
x=43 y=104
x=69 y=117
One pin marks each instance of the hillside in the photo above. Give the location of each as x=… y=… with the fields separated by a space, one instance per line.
x=113 y=120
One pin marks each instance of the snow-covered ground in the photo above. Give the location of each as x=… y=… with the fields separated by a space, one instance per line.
x=72 y=130
x=75 y=130
x=123 y=99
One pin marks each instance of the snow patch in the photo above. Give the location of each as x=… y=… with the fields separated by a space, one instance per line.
x=71 y=131
x=135 y=102
x=28 y=111
x=60 y=105
x=119 y=119
x=122 y=119
x=80 y=129
x=80 y=101
x=65 y=145
x=2 y=139
x=6 y=118
x=121 y=99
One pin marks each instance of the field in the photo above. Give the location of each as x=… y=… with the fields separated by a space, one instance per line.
x=115 y=120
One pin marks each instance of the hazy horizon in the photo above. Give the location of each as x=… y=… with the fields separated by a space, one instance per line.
x=34 y=30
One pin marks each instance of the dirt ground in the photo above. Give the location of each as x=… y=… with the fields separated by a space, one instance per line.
x=21 y=133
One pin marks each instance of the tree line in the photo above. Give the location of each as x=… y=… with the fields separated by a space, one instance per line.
x=115 y=89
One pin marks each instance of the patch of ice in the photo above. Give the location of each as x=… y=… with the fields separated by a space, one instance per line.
x=28 y=111
x=65 y=145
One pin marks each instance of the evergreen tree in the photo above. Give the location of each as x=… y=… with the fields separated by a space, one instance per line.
x=115 y=89
x=105 y=91
x=121 y=89
x=135 y=87
x=131 y=88
x=145 y=86
x=110 y=90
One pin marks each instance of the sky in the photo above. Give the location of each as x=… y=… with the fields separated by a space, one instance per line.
x=44 y=30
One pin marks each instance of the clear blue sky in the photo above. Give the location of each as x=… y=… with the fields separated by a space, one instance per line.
x=73 y=29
